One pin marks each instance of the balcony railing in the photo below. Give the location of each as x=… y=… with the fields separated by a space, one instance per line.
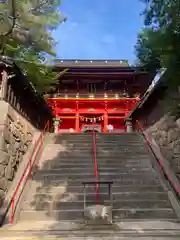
x=94 y=96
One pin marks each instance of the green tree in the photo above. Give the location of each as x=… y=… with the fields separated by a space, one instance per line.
x=31 y=40
x=146 y=51
x=158 y=44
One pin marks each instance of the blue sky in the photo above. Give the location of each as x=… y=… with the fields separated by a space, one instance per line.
x=99 y=29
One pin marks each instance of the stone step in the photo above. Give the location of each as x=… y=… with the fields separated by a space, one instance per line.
x=82 y=147
x=84 y=235
x=129 y=228
x=123 y=161
x=120 y=143
x=122 y=138
x=158 y=214
x=100 y=140
x=108 y=162
x=76 y=143
x=47 y=192
x=101 y=159
x=128 y=204
x=73 y=155
x=118 y=137
x=125 y=156
x=121 y=153
x=74 y=140
x=103 y=152
x=74 y=136
x=119 y=149
x=106 y=155
x=115 y=158
x=119 y=196
x=76 y=182
x=51 y=189
x=86 y=169
x=87 y=147
x=132 y=134
x=106 y=176
x=90 y=165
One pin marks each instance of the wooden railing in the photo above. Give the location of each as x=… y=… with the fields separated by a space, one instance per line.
x=20 y=94
x=102 y=95
x=38 y=147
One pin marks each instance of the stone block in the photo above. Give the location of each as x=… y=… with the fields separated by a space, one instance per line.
x=3 y=184
x=2 y=143
x=4 y=110
x=9 y=182
x=1 y=194
x=2 y=168
x=13 y=161
x=9 y=172
x=178 y=122
x=16 y=146
x=28 y=136
x=24 y=148
x=173 y=134
x=4 y=158
x=7 y=135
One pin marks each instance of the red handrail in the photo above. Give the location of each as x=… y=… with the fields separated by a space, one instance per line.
x=27 y=171
x=95 y=165
x=161 y=164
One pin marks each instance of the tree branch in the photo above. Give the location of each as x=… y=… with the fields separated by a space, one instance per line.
x=13 y=18
x=43 y=3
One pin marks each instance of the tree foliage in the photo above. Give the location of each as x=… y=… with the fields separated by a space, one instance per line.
x=31 y=40
x=162 y=17
x=146 y=50
x=158 y=43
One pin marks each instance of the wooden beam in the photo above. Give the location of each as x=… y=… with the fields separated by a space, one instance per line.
x=116 y=117
x=67 y=117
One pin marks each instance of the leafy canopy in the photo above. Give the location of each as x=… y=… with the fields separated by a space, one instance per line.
x=31 y=39
x=158 y=43
x=162 y=21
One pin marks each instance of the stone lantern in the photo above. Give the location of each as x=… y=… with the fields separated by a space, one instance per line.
x=56 y=122
x=129 y=125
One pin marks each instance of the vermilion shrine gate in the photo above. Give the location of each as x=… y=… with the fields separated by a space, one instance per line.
x=96 y=92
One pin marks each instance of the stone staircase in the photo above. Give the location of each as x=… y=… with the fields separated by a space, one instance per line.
x=138 y=192
x=52 y=202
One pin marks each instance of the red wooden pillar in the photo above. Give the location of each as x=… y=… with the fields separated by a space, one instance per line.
x=105 y=118
x=55 y=108
x=77 y=118
x=77 y=122
x=105 y=122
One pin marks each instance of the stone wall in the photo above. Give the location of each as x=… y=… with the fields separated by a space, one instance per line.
x=166 y=132
x=158 y=122
x=23 y=115
x=16 y=135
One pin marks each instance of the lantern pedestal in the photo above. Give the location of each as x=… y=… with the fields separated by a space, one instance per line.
x=56 y=122
x=129 y=127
